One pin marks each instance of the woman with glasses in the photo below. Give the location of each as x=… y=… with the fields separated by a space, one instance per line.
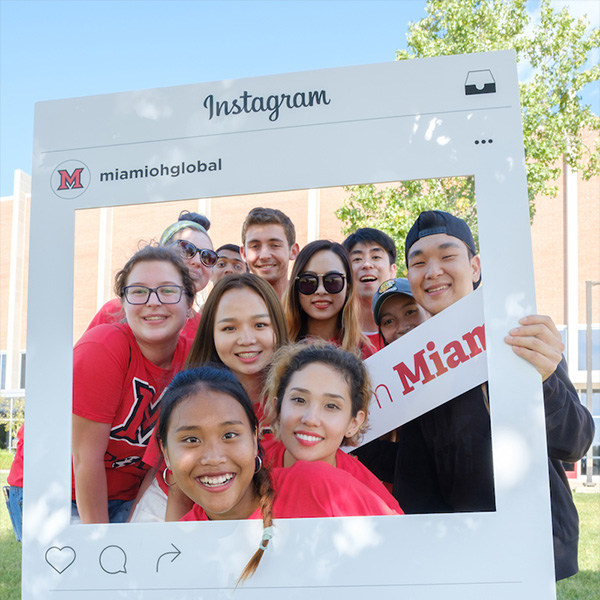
x=242 y=326
x=189 y=237
x=119 y=373
x=320 y=301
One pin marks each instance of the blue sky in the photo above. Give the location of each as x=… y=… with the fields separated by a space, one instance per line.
x=51 y=50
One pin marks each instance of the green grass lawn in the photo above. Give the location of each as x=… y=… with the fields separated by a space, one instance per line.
x=586 y=584
x=10 y=554
x=6 y=458
x=583 y=586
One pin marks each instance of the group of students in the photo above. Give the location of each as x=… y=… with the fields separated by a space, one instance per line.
x=238 y=409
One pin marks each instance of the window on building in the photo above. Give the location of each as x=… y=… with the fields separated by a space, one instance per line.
x=582 y=348
x=3 y=365
x=596 y=442
x=2 y=370
x=22 y=370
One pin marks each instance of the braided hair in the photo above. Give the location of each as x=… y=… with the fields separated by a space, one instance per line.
x=216 y=378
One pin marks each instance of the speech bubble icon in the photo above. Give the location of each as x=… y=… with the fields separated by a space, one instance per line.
x=60 y=559
x=113 y=560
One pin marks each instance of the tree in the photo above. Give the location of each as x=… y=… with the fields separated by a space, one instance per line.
x=552 y=54
x=393 y=209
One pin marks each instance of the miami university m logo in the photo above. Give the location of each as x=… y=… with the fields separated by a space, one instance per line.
x=70 y=181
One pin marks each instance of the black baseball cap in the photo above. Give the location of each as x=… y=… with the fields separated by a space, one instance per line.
x=431 y=222
x=391 y=287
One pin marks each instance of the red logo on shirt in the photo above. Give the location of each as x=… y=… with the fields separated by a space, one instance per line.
x=139 y=424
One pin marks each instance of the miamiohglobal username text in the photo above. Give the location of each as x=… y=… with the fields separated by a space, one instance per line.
x=183 y=168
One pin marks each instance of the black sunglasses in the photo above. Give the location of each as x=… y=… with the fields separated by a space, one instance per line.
x=308 y=283
x=188 y=250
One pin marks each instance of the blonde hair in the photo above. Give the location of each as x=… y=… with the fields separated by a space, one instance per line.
x=294 y=357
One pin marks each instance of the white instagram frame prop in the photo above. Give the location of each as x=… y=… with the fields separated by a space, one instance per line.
x=415 y=119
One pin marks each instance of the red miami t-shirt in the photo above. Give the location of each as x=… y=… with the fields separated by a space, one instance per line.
x=113 y=382
x=315 y=490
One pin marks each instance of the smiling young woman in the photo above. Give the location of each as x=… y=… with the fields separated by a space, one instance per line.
x=188 y=236
x=208 y=433
x=317 y=399
x=320 y=301
x=119 y=373
x=241 y=327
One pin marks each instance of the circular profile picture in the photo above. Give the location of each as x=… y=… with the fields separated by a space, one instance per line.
x=70 y=179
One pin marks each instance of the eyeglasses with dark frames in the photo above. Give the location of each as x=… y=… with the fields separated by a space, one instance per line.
x=140 y=294
x=188 y=250
x=308 y=283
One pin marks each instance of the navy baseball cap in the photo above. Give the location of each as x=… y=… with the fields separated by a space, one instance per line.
x=391 y=287
x=431 y=222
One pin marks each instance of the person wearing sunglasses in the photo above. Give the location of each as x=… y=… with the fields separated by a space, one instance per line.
x=189 y=237
x=320 y=301
x=191 y=240
x=119 y=373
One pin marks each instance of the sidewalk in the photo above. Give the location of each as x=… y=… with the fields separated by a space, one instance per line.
x=580 y=487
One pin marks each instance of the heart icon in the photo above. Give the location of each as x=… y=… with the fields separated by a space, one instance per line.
x=60 y=559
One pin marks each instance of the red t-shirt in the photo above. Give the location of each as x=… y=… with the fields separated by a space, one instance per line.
x=112 y=312
x=15 y=476
x=274 y=451
x=315 y=490
x=376 y=340
x=113 y=382
x=367 y=350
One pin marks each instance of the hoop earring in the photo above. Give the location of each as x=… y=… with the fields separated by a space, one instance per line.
x=257 y=465
x=165 y=477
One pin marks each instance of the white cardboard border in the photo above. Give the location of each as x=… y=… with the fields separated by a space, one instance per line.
x=386 y=122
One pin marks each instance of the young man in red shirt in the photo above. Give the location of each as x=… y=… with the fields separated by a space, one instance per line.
x=268 y=246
